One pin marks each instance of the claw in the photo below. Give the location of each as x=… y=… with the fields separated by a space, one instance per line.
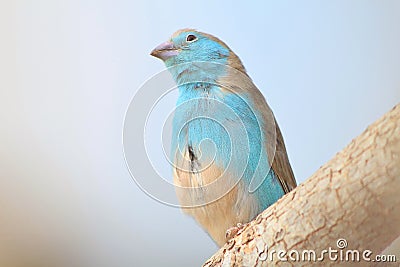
x=233 y=231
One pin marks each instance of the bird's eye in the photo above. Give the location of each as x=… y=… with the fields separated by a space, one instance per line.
x=191 y=38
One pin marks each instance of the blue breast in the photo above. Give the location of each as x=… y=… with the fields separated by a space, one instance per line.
x=221 y=128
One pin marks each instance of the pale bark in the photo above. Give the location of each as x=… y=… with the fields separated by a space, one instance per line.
x=355 y=196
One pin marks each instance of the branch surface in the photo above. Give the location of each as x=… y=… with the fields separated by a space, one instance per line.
x=355 y=196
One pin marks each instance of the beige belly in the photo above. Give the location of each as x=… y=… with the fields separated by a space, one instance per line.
x=214 y=201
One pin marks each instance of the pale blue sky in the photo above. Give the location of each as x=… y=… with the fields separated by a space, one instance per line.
x=69 y=70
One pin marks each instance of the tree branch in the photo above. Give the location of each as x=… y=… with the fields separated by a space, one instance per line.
x=354 y=196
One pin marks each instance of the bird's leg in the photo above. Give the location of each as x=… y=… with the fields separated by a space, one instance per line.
x=233 y=231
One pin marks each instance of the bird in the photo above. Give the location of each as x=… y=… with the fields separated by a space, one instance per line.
x=228 y=155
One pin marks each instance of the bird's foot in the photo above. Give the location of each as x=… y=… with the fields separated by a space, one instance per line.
x=233 y=231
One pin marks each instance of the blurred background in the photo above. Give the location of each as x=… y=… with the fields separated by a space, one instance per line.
x=69 y=69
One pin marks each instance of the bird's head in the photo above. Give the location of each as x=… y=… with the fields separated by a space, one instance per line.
x=188 y=46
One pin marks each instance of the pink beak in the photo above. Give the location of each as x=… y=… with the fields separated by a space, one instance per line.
x=164 y=51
